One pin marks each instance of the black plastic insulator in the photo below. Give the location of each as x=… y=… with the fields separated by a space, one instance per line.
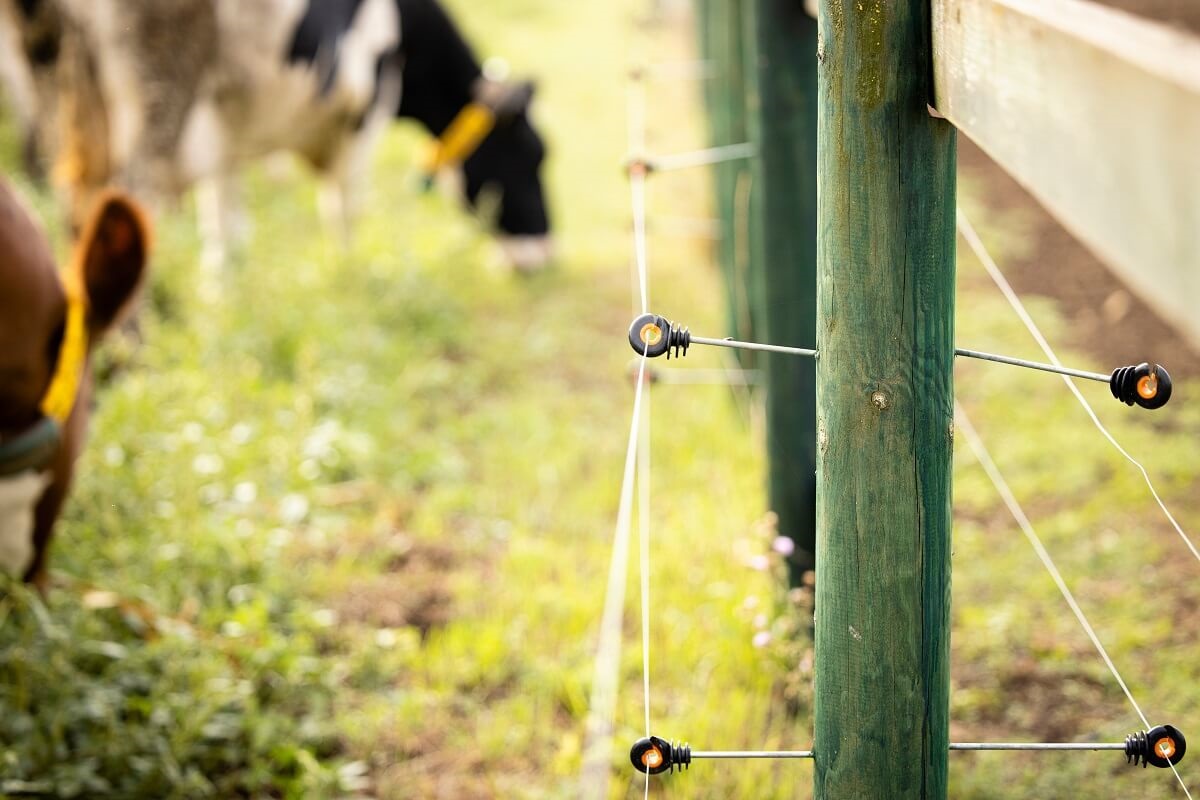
x=1162 y=746
x=652 y=336
x=1149 y=386
x=654 y=755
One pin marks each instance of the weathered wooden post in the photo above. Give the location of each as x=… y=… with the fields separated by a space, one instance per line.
x=782 y=100
x=885 y=311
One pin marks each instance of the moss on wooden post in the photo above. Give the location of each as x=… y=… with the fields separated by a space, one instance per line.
x=885 y=311
x=783 y=124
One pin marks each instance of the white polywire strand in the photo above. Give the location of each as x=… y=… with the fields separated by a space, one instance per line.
x=993 y=472
x=644 y=542
x=597 y=755
x=977 y=446
x=976 y=245
x=637 y=187
x=1180 y=779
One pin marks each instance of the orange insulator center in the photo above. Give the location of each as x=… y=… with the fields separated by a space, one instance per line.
x=1147 y=387
x=652 y=758
x=651 y=333
x=1165 y=747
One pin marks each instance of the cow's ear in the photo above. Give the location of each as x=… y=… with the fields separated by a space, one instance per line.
x=112 y=256
x=507 y=100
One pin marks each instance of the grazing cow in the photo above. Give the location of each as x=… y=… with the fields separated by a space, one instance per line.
x=160 y=95
x=47 y=329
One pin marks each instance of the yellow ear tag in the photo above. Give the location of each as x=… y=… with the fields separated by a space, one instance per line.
x=461 y=138
x=60 y=396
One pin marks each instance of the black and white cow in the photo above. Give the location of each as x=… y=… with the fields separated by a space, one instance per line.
x=162 y=95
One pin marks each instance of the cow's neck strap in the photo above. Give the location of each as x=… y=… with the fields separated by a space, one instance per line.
x=461 y=138
x=60 y=396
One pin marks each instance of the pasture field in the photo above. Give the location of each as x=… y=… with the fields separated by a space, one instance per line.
x=343 y=526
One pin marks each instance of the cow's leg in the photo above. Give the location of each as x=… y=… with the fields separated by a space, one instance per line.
x=337 y=202
x=222 y=221
x=345 y=174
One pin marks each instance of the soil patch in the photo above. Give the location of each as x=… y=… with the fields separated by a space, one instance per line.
x=413 y=591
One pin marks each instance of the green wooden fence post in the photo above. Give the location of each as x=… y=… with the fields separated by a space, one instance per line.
x=885 y=311
x=783 y=124
x=722 y=42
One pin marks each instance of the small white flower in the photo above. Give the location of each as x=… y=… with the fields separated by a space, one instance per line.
x=207 y=464
x=245 y=492
x=293 y=508
x=240 y=433
x=114 y=455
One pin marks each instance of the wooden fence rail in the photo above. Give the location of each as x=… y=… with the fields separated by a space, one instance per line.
x=1097 y=113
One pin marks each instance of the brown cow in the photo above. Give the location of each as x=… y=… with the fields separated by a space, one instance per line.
x=48 y=326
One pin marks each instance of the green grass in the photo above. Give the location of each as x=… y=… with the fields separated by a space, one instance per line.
x=357 y=510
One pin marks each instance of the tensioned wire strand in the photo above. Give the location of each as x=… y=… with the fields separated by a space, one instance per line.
x=637 y=185
x=636 y=122
x=643 y=477
x=993 y=270
x=644 y=562
x=602 y=704
x=976 y=244
x=963 y=423
x=700 y=158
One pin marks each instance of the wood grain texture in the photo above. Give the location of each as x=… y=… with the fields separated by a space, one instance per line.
x=1096 y=113
x=783 y=124
x=885 y=327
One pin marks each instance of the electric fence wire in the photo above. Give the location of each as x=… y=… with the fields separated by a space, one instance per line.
x=963 y=423
x=643 y=478
x=637 y=184
x=597 y=755
x=976 y=244
x=597 y=758
x=702 y=158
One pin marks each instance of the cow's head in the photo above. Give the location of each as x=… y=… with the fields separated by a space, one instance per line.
x=48 y=326
x=501 y=173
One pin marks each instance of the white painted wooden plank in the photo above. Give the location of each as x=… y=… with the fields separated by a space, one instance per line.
x=1097 y=114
